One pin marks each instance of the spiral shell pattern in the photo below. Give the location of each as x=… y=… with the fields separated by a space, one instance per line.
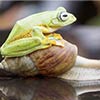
x=55 y=60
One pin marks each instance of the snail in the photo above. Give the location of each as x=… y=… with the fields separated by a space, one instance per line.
x=55 y=61
x=33 y=48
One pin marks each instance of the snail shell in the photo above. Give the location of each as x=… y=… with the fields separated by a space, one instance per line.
x=55 y=60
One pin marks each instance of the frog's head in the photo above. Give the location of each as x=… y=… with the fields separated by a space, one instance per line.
x=61 y=18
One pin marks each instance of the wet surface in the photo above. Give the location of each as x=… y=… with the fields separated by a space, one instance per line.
x=90 y=96
x=47 y=89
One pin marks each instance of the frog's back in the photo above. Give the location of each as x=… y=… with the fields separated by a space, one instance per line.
x=36 y=19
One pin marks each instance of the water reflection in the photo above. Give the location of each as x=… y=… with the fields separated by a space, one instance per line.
x=87 y=90
x=48 y=89
x=36 y=89
x=90 y=96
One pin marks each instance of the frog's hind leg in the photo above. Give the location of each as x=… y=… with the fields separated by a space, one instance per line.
x=21 y=47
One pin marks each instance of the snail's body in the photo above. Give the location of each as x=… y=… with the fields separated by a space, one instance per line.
x=82 y=72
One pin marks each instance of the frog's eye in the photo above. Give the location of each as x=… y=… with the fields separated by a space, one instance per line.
x=63 y=16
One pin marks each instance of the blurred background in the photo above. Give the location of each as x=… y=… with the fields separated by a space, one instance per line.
x=85 y=32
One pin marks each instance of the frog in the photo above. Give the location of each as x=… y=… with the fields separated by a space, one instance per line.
x=35 y=32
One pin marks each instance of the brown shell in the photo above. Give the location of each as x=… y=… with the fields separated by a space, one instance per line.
x=55 y=60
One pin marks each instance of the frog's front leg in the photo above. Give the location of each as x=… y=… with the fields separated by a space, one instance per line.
x=37 y=32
